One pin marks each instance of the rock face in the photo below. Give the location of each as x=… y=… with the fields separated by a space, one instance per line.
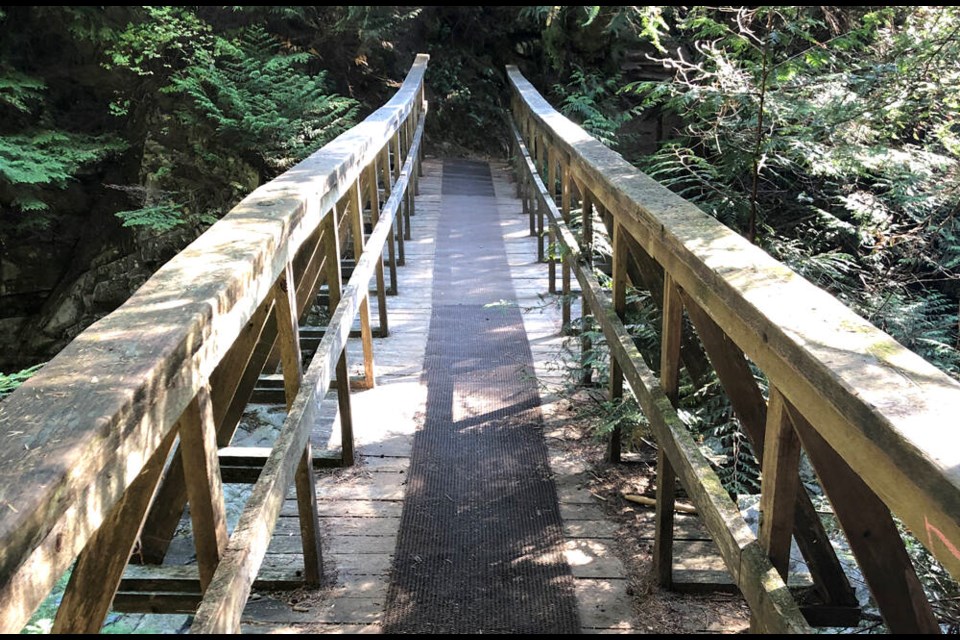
x=49 y=294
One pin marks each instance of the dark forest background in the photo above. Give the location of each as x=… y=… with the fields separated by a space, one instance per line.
x=827 y=135
x=830 y=136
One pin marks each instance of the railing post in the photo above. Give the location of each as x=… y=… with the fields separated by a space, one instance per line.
x=566 y=200
x=332 y=245
x=541 y=238
x=619 y=275
x=366 y=334
x=414 y=189
x=403 y=217
x=374 y=195
x=391 y=242
x=288 y=331
x=551 y=233
x=781 y=479
x=420 y=104
x=586 y=344
x=528 y=209
x=528 y=195
x=666 y=478
x=201 y=469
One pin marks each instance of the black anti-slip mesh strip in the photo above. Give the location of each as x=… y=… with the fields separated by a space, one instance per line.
x=480 y=541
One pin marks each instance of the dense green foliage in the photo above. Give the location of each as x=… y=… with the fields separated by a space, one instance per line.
x=10 y=382
x=830 y=136
x=205 y=112
x=827 y=135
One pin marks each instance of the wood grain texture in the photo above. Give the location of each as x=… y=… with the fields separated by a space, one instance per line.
x=872 y=535
x=221 y=608
x=369 y=178
x=566 y=184
x=310 y=542
x=99 y=567
x=289 y=338
x=666 y=478
x=335 y=278
x=884 y=409
x=232 y=384
x=761 y=585
x=385 y=179
x=100 y=409
x=201 y=470
x=619 y=277
x=781 y=479
x=355 y=215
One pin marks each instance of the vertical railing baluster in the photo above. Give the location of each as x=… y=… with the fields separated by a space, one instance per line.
x=201 y=469
x=666 y=477
x=335 y=281
x=366 y=334
x=373 y=193
x=288 y=334
x=551 y=233
x=527 y=194
x=619 y=276
x=566 y=199
x=391 y=241
x=541 y=238
x=586 y=344
x=402 y=217
x=780 y=482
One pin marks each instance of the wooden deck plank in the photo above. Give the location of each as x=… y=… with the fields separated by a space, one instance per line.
x=604 y=604
x=368 y=506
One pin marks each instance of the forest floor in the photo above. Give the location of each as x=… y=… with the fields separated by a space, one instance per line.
x=573 y=430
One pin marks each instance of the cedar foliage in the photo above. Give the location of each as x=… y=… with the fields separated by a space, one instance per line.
x=234 y=111
x=198 y=112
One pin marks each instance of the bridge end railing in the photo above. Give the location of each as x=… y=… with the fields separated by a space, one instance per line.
x=875 y=420
x=133 y=419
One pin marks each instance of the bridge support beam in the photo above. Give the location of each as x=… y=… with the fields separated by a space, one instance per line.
x=873 y=537
x=99 y=568
x=751 y=409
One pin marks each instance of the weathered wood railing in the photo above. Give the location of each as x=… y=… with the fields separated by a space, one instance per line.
x=88 y=441
x=876 y=421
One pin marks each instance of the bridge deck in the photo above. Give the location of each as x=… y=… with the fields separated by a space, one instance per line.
x=362 y=508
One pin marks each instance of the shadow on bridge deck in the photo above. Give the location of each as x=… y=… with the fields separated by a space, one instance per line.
x=453 y=464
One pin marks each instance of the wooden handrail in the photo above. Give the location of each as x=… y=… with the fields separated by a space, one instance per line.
x=223 y=604
x=78 y=434
x=763 y=588
x=862 y=404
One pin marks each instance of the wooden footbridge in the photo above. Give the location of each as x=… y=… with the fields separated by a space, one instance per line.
x=136 y=419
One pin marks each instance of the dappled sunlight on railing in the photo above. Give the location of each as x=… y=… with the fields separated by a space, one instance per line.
x=98 y=423
x=875 y=419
